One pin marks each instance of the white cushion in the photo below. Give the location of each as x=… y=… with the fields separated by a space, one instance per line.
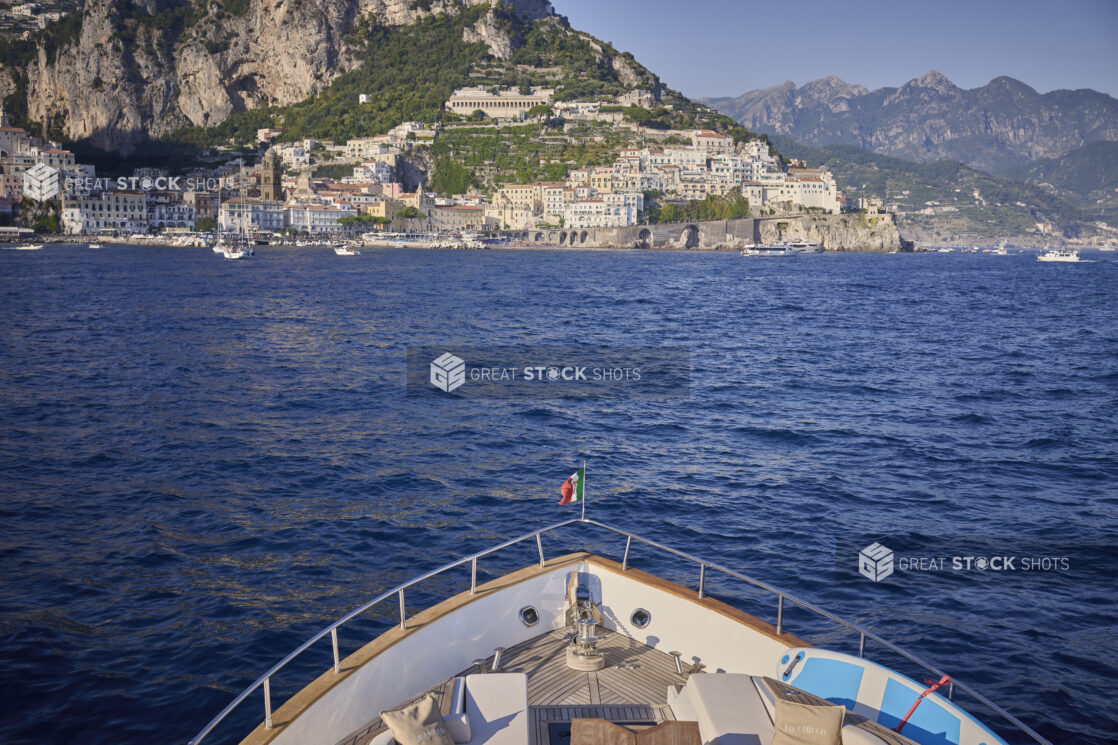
x=497 y=705
x=458 y=727
x=852 y=735
x=727 y=707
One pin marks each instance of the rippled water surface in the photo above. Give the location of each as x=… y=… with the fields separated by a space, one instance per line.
x=205 y=462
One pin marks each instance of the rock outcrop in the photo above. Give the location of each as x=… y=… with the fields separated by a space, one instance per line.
x=997 y=127
x=126 y=76
x=872 y=233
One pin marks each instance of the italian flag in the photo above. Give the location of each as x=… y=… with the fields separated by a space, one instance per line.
x=572 y=487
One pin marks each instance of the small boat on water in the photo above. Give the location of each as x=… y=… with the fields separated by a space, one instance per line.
x=346 y=251
x=1060 y=254
x=771 y=249
x=234 y=253
x=807 y=248
x=94 y=245
x=28 y=247
x=584 y=645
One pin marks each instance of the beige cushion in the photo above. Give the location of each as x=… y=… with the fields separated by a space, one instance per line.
x=418 y=724
x=802 y=724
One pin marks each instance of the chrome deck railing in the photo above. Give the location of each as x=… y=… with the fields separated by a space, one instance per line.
x=264 y=681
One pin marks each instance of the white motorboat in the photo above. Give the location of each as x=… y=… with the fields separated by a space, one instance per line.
x=28 y=247
x=94 y=245
x=578 y=645
x=773 y=249
x=807 y=248
x=1060 y=254
x=346 y=251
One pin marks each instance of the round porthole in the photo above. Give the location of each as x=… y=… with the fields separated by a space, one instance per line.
x=640 y=618
x=529 y=616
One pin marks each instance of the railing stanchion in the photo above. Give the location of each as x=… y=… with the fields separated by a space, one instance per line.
x=862 y=645
x=950 y=691
x=539 y=547
x=473 y=576
x=334 y=642
x=779 y=614
x=702 y=579
x=625 y=558
x=403 y=617
x=267 y=703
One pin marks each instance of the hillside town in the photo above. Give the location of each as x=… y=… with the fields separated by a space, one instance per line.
x=289 y=192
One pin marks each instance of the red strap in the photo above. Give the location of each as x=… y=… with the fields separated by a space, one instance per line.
x=942 y=682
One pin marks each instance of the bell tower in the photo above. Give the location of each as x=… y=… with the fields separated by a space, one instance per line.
x=271 y=177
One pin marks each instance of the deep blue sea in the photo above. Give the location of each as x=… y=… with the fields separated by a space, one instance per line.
x=202 y=462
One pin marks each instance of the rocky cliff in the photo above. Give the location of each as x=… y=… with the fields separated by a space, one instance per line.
x=146 y=67
x=996 y=127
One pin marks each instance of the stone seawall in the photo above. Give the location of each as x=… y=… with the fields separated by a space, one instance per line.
x=857 y=232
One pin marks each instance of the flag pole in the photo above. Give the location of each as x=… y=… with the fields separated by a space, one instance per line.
x=583 y=491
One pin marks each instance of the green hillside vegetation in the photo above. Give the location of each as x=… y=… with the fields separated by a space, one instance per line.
x=1087 y=176
x=1002 y=206
x=408 y=72
x=526 y=153
x=451 y=177
x=711 y=207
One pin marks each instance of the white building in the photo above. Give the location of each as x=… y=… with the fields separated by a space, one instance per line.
x=293 y=156
x=237 y=213
x=508 y=103
x=380 y=173
x=598 y=213
x=317 y=218
x=165 y=215
x=124 y=211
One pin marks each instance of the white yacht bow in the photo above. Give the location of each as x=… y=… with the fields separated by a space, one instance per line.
x=593 y=648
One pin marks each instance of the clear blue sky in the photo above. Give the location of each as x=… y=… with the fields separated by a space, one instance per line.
x=728 y=47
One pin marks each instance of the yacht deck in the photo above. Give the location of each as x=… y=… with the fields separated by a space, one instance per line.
x=632 y=687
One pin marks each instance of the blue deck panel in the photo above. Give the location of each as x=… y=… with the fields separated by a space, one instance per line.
x=930 y=724
x=834 y=680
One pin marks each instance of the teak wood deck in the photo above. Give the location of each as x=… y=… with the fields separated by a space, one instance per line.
x=632 y=687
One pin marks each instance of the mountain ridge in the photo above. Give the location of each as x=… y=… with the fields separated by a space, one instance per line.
x=996 y=127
